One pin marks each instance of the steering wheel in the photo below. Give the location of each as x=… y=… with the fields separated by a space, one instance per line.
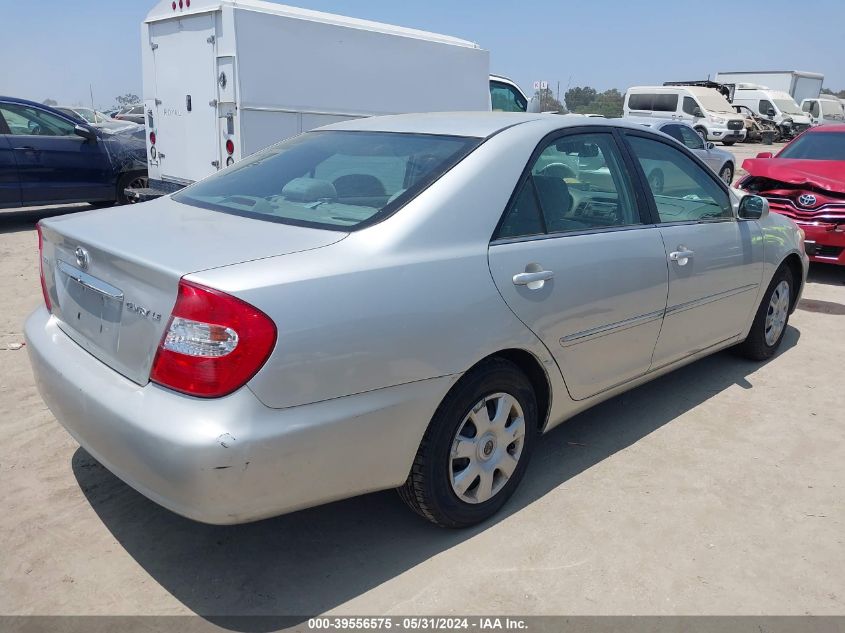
x=558 y=170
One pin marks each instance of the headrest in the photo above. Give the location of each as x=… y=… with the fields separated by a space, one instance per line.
x=309 y=190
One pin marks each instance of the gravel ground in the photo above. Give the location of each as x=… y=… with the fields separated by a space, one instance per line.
x=719 y=489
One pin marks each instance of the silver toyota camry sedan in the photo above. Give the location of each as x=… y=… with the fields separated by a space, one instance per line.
x=399 y=302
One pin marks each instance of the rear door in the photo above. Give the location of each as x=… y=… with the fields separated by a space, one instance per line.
x=186 y=113
x=714 y=260
x=576 y=263
x=53 y=163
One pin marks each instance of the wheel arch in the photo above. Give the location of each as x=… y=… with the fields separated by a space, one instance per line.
x=533 y=369
x=793 y=263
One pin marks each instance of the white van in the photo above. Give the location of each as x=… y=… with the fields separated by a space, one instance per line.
x=825 y=110
x=774 y=105
x=703 y=108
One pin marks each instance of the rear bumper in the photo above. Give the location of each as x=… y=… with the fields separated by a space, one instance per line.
x=232 y=459
x=823 y=243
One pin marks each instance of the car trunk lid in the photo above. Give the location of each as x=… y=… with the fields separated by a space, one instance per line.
x=113 y=275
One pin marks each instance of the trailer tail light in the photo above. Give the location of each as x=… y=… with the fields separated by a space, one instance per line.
x=188 y=4
x=152 y=138
x=180 y=4
x=230 y=147
x=214 y=343
x=173 y=4
x=44 y=292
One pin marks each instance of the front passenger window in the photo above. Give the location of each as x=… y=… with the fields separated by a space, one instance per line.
x=691 y=138
x=27 y=121
x=683 y=190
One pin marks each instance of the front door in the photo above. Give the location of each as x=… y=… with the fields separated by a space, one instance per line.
x=10 y=188
x=576 y=263
x=53 y=163
x=715 y=261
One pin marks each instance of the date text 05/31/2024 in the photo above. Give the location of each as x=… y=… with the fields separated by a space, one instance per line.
x=430 y=623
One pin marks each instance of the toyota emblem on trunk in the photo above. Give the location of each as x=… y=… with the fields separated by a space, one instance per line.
x=806 y=200
x=82 y=258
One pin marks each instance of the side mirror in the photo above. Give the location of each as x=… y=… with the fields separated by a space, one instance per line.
x=764 y=155
x=771 y=112
x=753 y=208
x=698 y=113
x=87 y=133
x=710 y=145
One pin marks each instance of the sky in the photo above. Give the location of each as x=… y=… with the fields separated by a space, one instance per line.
x=58 y=48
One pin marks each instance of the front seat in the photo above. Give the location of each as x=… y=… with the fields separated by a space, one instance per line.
x=360 y=189
x=556 y=202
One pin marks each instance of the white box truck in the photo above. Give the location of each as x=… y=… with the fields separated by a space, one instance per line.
x=225 y=78
x=801 y=85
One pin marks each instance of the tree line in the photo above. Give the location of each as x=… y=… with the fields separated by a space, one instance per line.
x=582 y=100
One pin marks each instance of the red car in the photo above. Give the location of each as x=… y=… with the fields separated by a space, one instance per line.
x=805 y=181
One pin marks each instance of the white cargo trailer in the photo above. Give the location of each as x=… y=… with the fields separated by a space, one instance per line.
x=801 y=85
x=225 y=78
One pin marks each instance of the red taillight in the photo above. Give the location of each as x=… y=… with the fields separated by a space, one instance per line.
x=230 y=147
x=152 y=138
x=44 y=292
x=214 y=343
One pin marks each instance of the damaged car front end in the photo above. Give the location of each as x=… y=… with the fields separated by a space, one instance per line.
x=806 y=182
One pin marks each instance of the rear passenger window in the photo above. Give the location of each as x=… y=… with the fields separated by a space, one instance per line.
x=640 y=102
x=665 y=103
x=683 y=191
x=577 y=183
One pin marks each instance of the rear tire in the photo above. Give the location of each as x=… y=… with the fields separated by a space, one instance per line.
x=476 y=448
x=727 y=173
x=771 y=319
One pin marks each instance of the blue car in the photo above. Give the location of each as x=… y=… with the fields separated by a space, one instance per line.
x=49 y=157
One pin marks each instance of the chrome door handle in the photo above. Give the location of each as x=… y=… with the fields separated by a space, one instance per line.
x=533 y=280
x=682 y=256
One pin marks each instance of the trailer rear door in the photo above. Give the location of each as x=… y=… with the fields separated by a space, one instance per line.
x=186 y=113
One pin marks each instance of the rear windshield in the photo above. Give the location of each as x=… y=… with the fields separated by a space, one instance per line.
x=333 y=179
x=816 y=146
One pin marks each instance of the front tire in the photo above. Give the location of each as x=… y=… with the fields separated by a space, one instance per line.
x=728 y=143
x=702 y=132
x=476 y=448
x=771 y=319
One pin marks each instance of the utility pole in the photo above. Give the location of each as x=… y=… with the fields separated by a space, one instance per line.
x=91 y=89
